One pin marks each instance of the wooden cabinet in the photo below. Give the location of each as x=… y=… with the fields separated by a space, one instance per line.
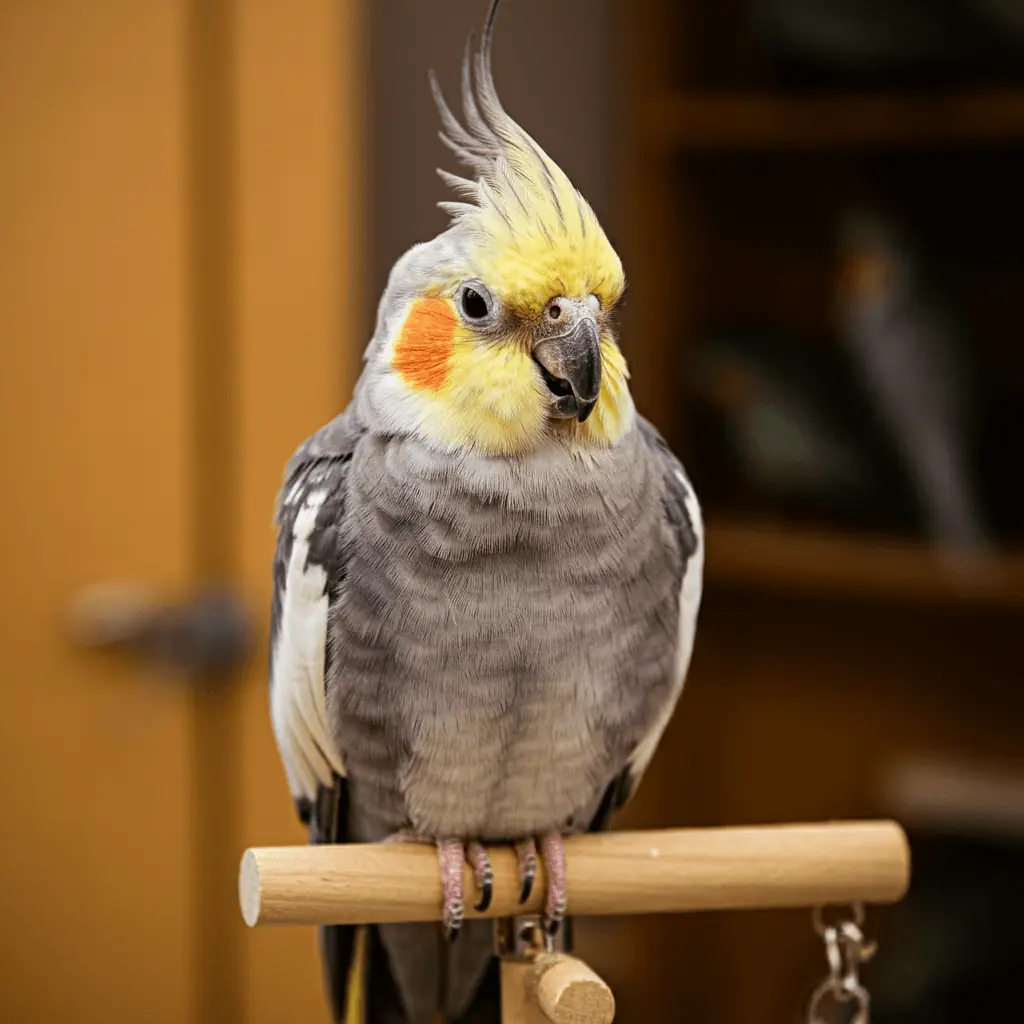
x=177 y=200
x=826 y=657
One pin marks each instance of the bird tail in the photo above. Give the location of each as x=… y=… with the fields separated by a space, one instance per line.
x=344 y=955
x=363 y=989
x=400 y=974
x=342 y=947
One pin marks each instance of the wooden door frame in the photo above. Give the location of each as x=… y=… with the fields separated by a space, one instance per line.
x=300 y=333
x=275 y=198
x=211 y=52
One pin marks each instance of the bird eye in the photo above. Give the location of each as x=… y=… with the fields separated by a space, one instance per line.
x=474 y=305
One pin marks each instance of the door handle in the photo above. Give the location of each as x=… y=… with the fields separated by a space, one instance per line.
x=208 y=634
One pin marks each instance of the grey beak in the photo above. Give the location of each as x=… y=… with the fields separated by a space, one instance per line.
x=571 y=367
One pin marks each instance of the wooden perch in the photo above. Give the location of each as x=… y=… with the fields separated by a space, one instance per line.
x=609 y=873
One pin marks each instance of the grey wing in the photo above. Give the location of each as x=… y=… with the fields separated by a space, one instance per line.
x=685 y=527
x=309 y=564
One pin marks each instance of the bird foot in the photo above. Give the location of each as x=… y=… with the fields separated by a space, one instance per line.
x=526 y=860
x=552 y=849
x=553 y=852
x=483 y=873
x=452 y=854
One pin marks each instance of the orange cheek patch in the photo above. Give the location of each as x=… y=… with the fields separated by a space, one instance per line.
x=424 y=346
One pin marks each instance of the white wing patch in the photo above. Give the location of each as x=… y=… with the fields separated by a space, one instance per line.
x=297 y=700
x=689 y=607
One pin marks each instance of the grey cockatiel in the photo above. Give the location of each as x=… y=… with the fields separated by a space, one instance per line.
x=489 y=566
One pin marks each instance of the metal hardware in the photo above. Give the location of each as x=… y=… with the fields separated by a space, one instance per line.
x=524 y=937
x=203 y=636
x=846 y=949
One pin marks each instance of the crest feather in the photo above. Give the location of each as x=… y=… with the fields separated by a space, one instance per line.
x=540 y=234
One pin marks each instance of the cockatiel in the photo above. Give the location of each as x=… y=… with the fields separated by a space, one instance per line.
x=488 y=567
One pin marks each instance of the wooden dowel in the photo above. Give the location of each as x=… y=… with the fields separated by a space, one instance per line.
x=609 y=873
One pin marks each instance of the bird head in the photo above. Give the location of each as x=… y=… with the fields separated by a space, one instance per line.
x=496 y=336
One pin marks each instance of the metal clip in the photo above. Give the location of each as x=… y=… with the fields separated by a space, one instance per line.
x=524 y=937
x=846 y=949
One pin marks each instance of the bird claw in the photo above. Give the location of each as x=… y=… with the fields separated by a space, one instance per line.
x=454 y=912
x=452 y=855
x=527 y=889
x=486 y=893
x=483 y=873
x=526 y=857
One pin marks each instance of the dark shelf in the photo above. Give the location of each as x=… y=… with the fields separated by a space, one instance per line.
x=689 y=122
x=769 y=556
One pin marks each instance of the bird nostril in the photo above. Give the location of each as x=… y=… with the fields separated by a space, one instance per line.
x=555 y=311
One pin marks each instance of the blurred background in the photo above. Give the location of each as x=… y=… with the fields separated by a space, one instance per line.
x=818 y=203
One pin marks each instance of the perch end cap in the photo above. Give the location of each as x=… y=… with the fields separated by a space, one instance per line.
x=249 y=888
x=569 y=992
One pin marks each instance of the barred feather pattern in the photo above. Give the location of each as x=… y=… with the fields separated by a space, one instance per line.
x=506 y=634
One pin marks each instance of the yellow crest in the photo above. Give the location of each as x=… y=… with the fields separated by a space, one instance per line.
x=538 y=235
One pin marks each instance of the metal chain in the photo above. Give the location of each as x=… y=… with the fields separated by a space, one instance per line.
x=846 y=950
